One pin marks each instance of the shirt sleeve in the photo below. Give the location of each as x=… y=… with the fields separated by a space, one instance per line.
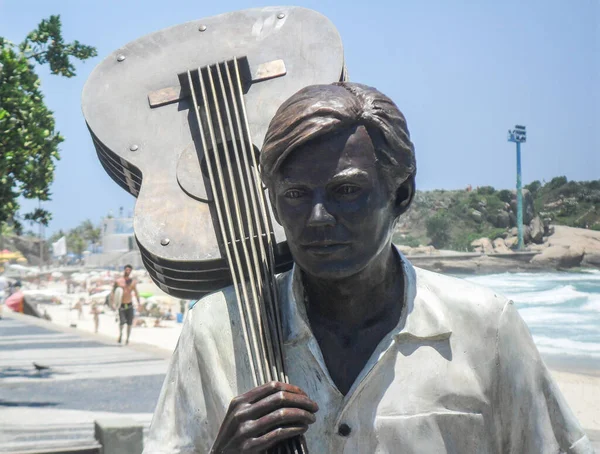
x=180 y=424
x=534 y=416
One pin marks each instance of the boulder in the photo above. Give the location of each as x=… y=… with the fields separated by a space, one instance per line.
x=406 y=250
x=502 y=219
x=580 y=239
x=591 y=259
x=536 y=247
x=425 y=250
x=537 y=230
x=514 y=233
x=526 y=234
x=483 y=245
x=500 y=246
x=482 y=207
x=476 y=216
x=559 y=257
x=528 y=208
x=511 y=242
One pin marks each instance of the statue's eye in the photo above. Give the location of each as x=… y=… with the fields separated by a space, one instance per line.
x=347 y=189
x=293 y=193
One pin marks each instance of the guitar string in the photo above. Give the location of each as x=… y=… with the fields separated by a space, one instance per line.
x=294 y=445
x=245 y=328
x=265 y=220
x=268 y=274
x=289 y=446
x=256 y=341
x=239 y=239
x=251 y=262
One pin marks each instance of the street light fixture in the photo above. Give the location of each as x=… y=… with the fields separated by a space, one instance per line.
x=519 y=136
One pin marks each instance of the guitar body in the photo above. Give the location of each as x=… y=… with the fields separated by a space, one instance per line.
x=140 y=113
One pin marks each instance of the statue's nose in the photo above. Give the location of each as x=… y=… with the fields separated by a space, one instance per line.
x=320 y=217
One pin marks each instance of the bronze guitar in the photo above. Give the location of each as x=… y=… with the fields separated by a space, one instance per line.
x=140 y=112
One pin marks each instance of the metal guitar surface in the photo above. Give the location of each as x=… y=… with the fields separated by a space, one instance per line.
x=139 y=110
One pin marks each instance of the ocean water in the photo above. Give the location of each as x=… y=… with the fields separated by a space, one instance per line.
x=562 y=309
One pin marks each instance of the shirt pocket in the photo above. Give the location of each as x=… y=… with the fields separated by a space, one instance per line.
x=435 y=432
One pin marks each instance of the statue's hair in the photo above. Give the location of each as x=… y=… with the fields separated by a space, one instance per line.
x=326 y=109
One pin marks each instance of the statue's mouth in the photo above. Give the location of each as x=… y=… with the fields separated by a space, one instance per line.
x=325 y=247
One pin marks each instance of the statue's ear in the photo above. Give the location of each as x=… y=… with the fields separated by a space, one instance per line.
x=404 y=196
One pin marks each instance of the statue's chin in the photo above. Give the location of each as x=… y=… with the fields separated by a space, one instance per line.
x=331 y=269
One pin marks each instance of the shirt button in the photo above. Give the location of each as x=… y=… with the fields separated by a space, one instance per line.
x=344 y=430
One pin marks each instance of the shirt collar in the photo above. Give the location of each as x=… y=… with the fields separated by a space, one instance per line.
x=422 y=316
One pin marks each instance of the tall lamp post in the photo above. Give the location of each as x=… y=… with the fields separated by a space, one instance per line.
x=519 y=136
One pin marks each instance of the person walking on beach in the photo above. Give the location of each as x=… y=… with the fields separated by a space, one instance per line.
x=79 y=307
x=122 y=298
x=96 y=313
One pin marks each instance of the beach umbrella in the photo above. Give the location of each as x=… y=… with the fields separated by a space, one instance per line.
x=79 y=277
x=162 y=300
x=5 y=254
x=100 y=296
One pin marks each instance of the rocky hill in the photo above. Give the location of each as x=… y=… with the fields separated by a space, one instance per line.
x=484 y=219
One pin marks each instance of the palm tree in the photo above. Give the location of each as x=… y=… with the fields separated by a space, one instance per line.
x=90 y=233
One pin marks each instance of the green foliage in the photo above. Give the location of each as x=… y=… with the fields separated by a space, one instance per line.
x=45 y=44
x=89 y=232
x=474 y=200
x=79 y=237
x=486 y=190
x=55 y=237
x=462 y=240
x=406 y=240
x=438 y=229
x=447 y=216
x=556 y=182
x=533 y=187
x=28 y=138
x=505 y=195
x=75 y=242
x=495 y=232
x=447 y=219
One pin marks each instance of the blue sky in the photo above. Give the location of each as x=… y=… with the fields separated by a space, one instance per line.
x=462 y=72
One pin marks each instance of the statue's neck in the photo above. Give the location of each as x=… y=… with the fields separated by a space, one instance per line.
x=360 y=299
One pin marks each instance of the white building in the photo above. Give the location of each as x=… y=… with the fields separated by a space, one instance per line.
x=117 y=235
x=119 y=247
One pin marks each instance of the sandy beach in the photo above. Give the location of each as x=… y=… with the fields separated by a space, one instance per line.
x=164 y=337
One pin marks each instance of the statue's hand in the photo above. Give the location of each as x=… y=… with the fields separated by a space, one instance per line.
x=263 y=417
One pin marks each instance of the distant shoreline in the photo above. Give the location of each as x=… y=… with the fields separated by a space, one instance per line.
x=568 y=248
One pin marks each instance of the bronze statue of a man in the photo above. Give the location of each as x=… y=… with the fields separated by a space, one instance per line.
x=384 y=357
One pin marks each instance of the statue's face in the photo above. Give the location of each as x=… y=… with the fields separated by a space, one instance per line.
x=334 y=205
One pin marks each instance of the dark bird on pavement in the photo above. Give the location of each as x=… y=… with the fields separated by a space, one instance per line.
x=40 y=368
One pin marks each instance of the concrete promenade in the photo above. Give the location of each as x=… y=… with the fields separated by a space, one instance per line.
x=89 y=376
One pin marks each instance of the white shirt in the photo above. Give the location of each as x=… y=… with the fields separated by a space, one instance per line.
x=459 y=374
